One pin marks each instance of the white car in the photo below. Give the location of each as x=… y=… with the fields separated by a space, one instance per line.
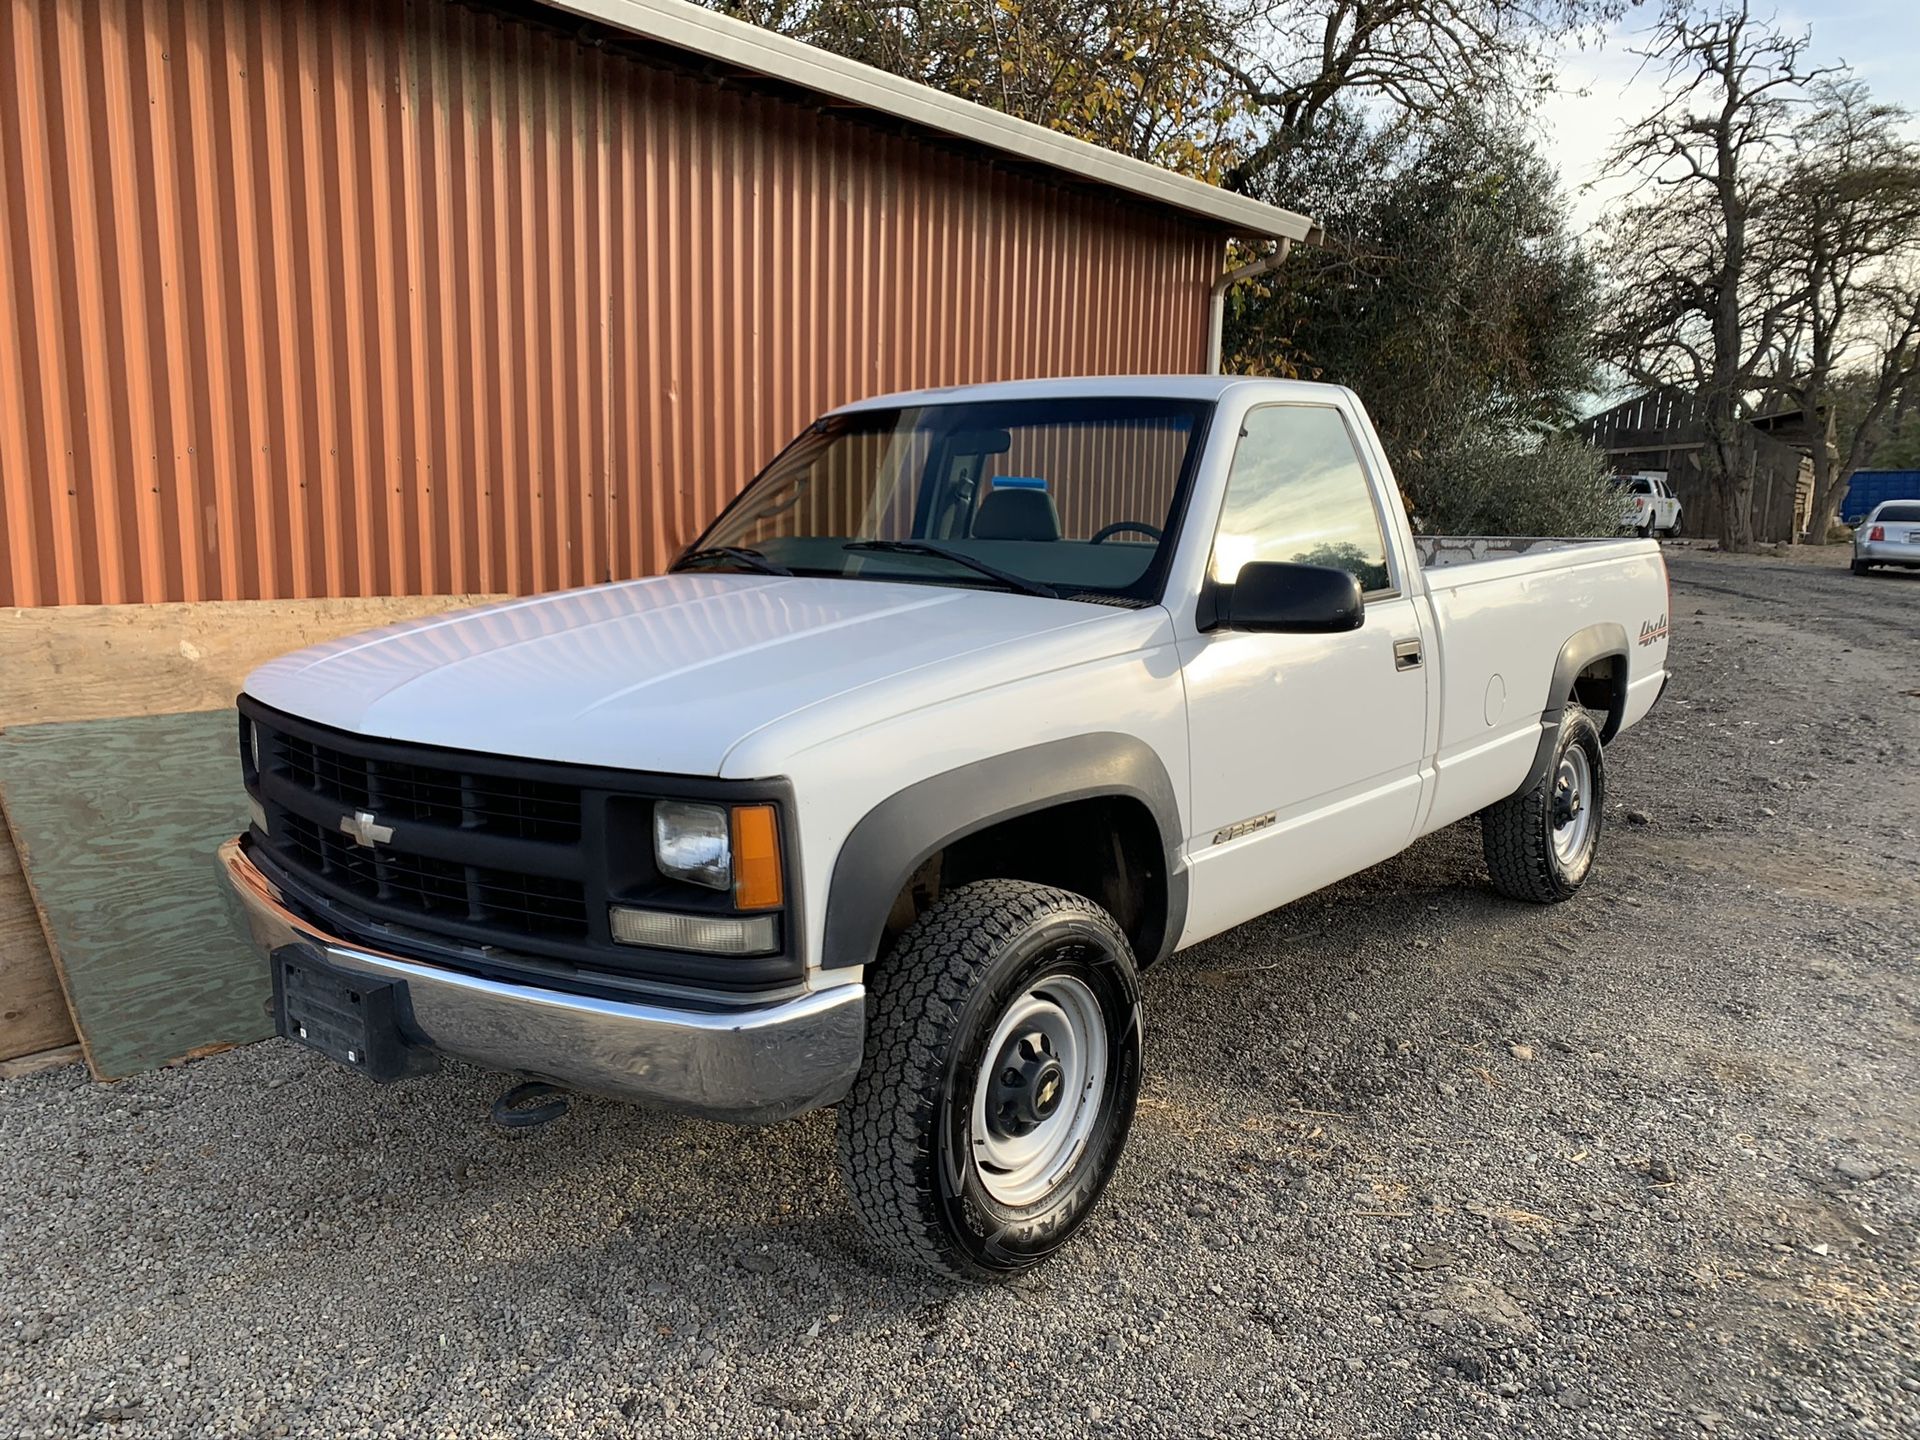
x=1651 y=508
x=974 y=705
x=1890 y=535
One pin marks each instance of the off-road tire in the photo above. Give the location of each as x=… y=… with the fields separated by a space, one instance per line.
x=932 y=1006
x=1517 y=833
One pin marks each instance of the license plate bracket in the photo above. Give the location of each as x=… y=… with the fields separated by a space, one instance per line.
x=354 y=1019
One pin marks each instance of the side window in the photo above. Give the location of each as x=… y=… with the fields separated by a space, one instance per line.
x=1297 y=492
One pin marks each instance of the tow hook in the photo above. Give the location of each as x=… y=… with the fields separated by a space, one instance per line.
x=529 y=1105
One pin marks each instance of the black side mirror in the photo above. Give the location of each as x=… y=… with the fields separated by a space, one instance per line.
x=1276 y=595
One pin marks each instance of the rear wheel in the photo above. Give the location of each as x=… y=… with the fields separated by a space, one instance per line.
x=1860 y=567
x=1001 y=1073
x=1540 y=843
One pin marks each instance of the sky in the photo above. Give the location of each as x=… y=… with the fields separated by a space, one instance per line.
x=1600 y=89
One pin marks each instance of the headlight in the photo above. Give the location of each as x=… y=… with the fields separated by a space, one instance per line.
x=690 y=842
x=249 y=744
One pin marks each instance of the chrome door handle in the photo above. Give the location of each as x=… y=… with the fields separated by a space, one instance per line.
x=1406 y=654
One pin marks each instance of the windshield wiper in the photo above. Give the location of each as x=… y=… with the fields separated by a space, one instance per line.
x=739 y=554
x=992 y=572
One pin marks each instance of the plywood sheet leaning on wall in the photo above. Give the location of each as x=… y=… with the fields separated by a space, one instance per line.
x=116 y=822
x=88 y=662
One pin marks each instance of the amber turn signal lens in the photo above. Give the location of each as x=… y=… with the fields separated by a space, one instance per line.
x=756 y=858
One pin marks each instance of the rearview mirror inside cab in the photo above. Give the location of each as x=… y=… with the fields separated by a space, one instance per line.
x=1278 y=595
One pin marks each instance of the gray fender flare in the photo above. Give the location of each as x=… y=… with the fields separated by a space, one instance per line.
x=898 y=835
x=1605 y=641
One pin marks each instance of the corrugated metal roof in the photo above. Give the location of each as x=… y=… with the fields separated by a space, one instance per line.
x=688 y=27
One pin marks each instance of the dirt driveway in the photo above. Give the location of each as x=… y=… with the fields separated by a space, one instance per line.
x=1412 y=1161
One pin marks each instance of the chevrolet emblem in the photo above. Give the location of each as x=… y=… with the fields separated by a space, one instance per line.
x=363 y=829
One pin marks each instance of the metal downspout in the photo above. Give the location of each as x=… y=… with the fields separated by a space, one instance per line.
x=1217 y=300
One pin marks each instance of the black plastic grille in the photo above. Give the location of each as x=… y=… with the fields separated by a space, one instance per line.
x=530 y=904
x=495 y=804
x=503 y=865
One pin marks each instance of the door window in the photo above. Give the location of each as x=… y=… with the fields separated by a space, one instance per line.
x=1297 y=492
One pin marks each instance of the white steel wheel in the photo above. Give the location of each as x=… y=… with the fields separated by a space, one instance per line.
x=1541 y=841
x=1036 y=1103
x=1572 y=806
x=1001 y=1071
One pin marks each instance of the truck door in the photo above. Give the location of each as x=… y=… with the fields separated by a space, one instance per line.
x=1306 y=749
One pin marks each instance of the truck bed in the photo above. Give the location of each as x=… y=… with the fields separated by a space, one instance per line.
x=1438 y=550
x=1503 y=606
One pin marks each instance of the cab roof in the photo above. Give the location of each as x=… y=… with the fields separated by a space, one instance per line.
x=1080 y=387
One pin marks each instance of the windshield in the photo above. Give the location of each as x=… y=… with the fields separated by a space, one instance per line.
x=1068 y=496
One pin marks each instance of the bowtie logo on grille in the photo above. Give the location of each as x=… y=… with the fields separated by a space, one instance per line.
x=363 y=829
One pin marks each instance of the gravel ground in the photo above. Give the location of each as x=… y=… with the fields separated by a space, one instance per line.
x=1412 y=1160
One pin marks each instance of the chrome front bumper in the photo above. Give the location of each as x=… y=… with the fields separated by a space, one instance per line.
x=750 y=1066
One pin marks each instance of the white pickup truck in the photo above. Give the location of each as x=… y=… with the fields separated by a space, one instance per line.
x=1648 y=505
x=975 y=705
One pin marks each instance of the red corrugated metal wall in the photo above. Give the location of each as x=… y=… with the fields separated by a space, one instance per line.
x=311 y=300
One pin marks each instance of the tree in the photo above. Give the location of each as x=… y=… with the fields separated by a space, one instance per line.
x=1894 y=442
x=1298 y=63
x=1220 y=89
x=1136 y=76
x=1448 y=293
x=1849 y=222
x=1694 y=300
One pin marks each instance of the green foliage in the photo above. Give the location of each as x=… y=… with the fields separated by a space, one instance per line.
x=1901 y=449
x=1556 y=487
x=1882 y=419
x=1449 y=294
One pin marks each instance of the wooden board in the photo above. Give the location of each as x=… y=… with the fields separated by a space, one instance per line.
x=95 y=662
x=41 y=1062
x=116 y=823
x=33 y=1012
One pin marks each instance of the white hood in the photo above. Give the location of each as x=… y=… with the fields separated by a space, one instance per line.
x=670 y=674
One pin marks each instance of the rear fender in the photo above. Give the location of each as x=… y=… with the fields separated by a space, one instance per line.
x=1605 y=641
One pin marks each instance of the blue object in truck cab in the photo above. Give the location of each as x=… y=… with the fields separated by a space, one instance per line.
x=1017 y=482
x=1868 y=488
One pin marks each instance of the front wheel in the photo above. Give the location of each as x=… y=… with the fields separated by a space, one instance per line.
x=1001 y=1073
x=1540 y=843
